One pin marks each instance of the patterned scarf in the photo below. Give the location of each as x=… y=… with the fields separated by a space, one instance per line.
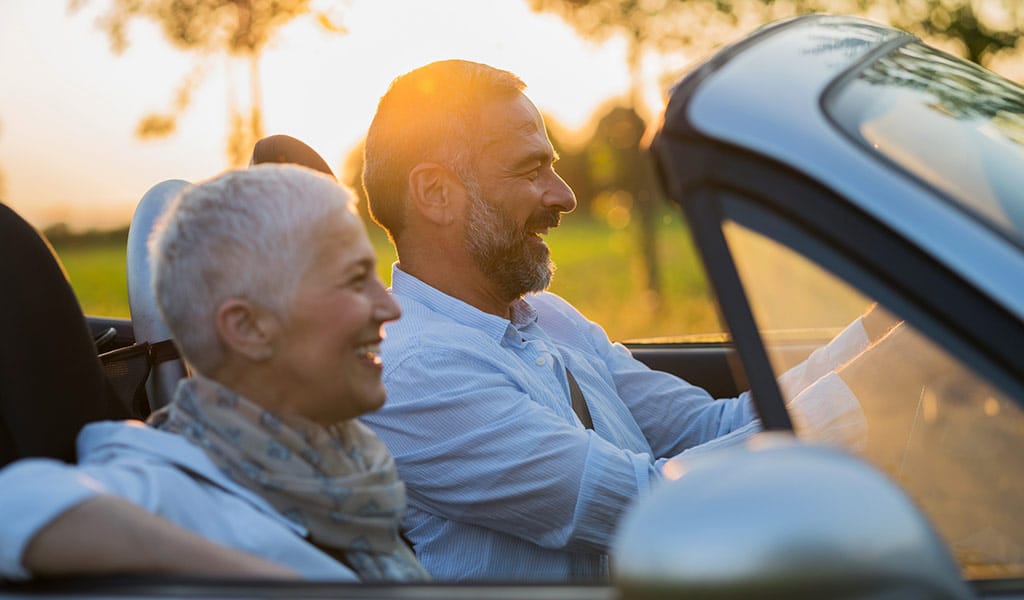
x=338 y=482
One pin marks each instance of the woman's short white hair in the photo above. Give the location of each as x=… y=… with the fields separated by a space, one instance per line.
x=248 y=234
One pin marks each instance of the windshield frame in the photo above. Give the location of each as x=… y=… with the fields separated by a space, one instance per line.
x=840 y=86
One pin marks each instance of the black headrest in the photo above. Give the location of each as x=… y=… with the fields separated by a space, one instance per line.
x=286 y=149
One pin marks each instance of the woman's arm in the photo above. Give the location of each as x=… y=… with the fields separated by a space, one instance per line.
x=106 y=535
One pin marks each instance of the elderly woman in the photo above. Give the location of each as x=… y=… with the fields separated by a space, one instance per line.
x=266 y=279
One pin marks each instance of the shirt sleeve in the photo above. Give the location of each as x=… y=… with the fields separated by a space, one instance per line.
x=35 y=492
x=673 y=414
x=473 y=447
x=828 y=412
x=679 y=418
x=850 y=342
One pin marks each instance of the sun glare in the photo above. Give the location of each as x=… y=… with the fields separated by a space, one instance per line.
x=67 y=117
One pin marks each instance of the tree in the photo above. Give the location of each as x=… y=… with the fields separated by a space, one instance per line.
x=649 y=26
x=238 y=28
x=975 y=29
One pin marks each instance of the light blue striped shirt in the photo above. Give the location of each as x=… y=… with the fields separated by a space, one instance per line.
x=164 y=474
x=503 y=480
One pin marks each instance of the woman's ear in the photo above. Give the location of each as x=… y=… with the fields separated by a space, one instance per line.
x=435 y=193
x=247 y=329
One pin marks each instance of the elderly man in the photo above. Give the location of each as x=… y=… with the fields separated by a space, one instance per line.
x=266 y=279
x=521 y=431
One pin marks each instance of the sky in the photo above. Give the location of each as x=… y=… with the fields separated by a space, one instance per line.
x=69 y=105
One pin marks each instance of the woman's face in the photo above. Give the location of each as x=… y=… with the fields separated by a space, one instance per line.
x=326 y=354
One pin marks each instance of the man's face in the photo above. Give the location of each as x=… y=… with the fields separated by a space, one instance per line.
x=514 y=197
x=513 y=256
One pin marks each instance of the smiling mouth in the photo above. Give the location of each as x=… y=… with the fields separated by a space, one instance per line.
x=370 y=353
x=539 y=232
x=544 y=223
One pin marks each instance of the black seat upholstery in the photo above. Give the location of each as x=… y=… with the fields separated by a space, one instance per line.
x=286 y=149
x=51 y=383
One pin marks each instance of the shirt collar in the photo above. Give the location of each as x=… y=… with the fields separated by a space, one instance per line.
x=410 y=287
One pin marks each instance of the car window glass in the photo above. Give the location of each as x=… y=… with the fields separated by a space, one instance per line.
x=951 y=440
x=949 y=122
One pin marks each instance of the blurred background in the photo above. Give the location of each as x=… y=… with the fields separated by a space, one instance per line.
x=101 y=99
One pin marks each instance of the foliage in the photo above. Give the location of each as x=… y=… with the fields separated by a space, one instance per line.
x=61 y=236
x=976 y=29
x=597 y=271
x=238 y=28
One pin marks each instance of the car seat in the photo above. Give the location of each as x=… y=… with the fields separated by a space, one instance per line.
x=286 y=149
x=50 y=381
x=151 y=333
x=153 y=350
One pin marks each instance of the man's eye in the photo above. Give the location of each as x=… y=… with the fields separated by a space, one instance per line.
x=533 y=175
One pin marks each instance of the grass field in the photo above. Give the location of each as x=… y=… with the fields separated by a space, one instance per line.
x=599 y=271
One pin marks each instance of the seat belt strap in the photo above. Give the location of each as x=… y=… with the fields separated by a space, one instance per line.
x=579 y=403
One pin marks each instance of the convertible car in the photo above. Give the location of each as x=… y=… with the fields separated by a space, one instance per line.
x=829 y=168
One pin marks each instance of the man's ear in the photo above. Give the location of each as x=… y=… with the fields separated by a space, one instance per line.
x=435 y=193
x=247 y=329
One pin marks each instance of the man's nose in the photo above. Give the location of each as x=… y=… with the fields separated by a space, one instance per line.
x=559 y=195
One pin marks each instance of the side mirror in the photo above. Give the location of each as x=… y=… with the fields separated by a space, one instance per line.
x=780 y=519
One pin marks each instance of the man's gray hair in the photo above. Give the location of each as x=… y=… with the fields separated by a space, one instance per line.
x=247 y=234
x=430 y=114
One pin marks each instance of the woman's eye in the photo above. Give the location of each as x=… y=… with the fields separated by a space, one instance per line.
x=356 y=283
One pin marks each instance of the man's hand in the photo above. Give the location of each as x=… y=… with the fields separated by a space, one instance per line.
x=109 y=535
x=878 y=322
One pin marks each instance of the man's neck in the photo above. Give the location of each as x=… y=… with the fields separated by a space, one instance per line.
x=466 y=284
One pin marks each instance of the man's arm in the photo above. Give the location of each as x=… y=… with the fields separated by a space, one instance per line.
x=827 y=409
x=863 y=331
x=473 y=447
x=109 y=535
x=673 y=415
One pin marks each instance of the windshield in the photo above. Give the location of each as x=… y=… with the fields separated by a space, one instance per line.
x=947 y=121
x=952 y=440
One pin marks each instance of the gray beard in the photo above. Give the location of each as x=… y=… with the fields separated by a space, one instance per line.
x=503 y=250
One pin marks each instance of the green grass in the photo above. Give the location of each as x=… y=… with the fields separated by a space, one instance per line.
x=599 y=271
x=97 y=274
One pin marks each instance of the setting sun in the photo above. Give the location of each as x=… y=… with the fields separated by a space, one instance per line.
x=70 y=106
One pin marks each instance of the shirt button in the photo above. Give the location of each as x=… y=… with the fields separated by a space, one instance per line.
x=540 y=362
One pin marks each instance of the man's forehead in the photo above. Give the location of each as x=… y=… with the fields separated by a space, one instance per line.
x=516 y=117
